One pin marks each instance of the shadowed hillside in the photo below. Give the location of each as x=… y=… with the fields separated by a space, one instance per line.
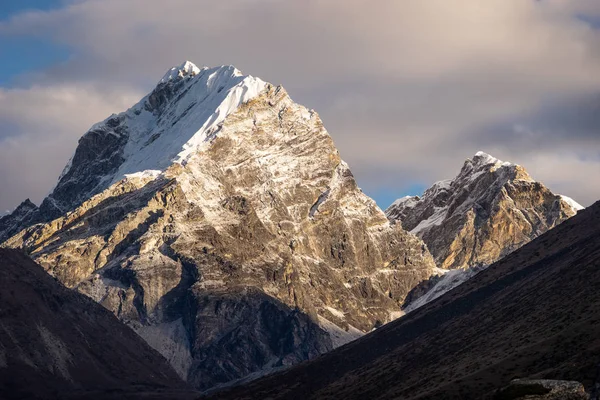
x=57 y=343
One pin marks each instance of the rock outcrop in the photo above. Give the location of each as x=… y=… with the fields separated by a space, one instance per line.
x=489 y=210
x=542 y=389
x=57 y=343
x=26 y=214
x=217 y=219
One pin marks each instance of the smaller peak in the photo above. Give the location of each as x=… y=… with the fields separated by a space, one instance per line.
x=22 y=209
x=187 y=68
x=405 y=201
x=26 y=204
x=483 y=158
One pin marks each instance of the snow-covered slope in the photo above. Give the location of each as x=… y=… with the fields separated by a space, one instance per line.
x=443 y=282
x=217 y=218
x=574 y=205
x=490 y=209
x=183 y=113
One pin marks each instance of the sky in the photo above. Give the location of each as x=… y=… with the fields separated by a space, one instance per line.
x=408 y=89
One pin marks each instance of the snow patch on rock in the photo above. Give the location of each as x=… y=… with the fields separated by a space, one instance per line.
x=450 y=279
x=336 y=312
x=170 y=340
x=186 y=69
x=157 y=141
x=572 y=203
x=339 y=336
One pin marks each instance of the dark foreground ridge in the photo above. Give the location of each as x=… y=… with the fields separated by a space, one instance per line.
x=532 y=315
x=57 y=343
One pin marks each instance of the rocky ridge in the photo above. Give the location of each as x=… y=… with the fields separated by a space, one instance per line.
x=26 y=214
x=489 y=210
x=217 y=219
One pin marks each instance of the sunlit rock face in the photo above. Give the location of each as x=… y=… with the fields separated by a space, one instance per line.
x=489 y=210
x=225 y=228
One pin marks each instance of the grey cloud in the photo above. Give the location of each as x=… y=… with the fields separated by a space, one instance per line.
x=571 y=124
x=407 y=89
x=49 y=121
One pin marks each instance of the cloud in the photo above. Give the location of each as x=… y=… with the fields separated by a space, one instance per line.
x=46 y=123
x=408 y=89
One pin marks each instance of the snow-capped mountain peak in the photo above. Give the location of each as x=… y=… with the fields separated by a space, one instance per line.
x=187 y=68
x=178 y=118
x=489 y=209
x=483 y=163
x=482 y=158
x=230 y=206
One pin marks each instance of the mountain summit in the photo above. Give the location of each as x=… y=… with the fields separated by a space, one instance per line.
x=182 y=114
x=217 y=219
x=490 y=209
x=188 y=68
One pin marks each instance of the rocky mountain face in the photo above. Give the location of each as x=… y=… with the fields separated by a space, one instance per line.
x=532 y=315
x=217 y=219
x=489 y=210
x=26 y=214
x=57 y=343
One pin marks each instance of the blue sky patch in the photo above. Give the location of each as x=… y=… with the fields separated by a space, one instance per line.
x=386 y=196
x=593 y=21
x=20 y=55
x=11 y=7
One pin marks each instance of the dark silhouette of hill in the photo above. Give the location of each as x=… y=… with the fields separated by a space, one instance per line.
x=57 y=343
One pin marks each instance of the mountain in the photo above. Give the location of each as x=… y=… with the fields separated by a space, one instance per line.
x=490 y=209
x=531 y=315
x=217 y=219
x=57 y=343
x=26 y=214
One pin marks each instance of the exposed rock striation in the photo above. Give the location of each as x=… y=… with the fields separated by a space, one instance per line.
x=217 y=218
x=532 y=314
x=489 y=210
